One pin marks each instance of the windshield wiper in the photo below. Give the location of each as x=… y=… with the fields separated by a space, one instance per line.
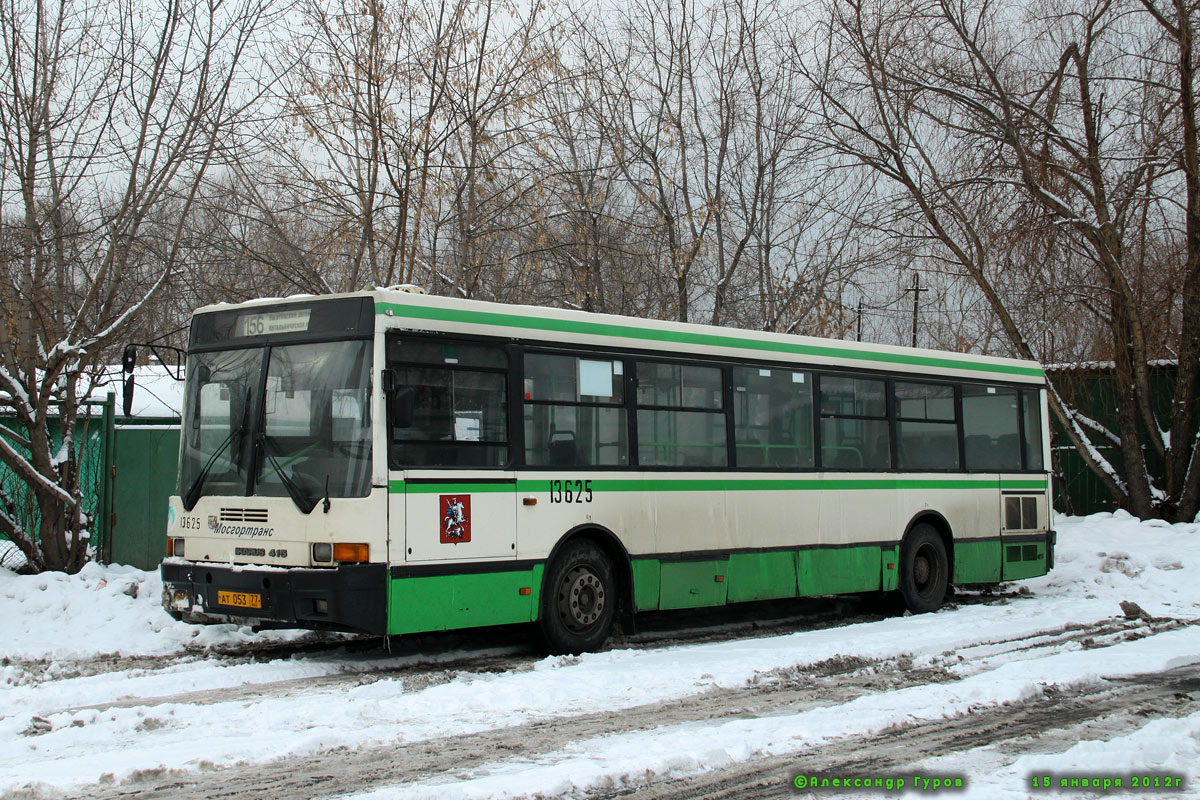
x=193 y=493
x=302 y=501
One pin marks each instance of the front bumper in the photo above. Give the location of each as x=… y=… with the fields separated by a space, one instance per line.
x=351 y=597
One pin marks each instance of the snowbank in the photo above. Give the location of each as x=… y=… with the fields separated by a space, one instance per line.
x=1116 y=557
x=109 y=610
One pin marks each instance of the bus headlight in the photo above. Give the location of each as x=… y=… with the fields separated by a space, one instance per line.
x=175 y=547
x=322 y=552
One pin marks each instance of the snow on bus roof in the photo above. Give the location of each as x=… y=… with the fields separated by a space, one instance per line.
x=1098 y=366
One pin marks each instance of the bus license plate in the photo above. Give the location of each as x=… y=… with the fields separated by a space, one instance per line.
x=240 y=599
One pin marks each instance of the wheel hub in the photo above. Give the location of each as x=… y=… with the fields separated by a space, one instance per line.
x=921 y=570
x=580 y=598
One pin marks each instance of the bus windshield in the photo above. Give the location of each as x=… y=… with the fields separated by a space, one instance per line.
x=288 y=420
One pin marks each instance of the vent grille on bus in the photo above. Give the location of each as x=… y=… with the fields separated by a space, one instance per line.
x=1021 y=552
x=243 y=515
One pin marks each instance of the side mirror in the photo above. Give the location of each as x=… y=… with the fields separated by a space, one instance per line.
x=128 y=362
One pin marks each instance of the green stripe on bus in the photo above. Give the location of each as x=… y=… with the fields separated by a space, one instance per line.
x=785 y=484
x=689 y=337
x=725 y=485
x=453 y=486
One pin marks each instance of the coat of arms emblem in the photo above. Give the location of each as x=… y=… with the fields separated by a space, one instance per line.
x=456 y=518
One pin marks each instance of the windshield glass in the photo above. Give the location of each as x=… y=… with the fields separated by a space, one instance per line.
x=317 y=421
x=305 y=430
x=217 y=438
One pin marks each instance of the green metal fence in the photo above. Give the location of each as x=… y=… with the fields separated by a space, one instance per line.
x=1092 y=391
x=94 y=448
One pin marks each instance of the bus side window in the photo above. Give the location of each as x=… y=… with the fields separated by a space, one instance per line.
x=680 y=417
x=574 y=414
x=854 y=424
x=459 y=404
x=926 y=426
x=991 y=432
x=772 y=416
x=1033 y=428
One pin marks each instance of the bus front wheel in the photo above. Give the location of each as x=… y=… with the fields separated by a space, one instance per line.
x=578 y=602
x=924 y=570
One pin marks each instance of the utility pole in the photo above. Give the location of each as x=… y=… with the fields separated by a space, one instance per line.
x=916 y=290
x=860 y=305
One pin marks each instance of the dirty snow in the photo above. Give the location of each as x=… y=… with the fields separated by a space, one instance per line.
x=52 y=740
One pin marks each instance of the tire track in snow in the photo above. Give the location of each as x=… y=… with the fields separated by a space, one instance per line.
x=1051 y=722
x=431 y=659
x=788 y=691
x=462 y=650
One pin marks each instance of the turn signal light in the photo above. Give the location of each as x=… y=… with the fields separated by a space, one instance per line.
x=351 y=553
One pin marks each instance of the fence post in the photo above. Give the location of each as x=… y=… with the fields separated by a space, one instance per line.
x=105 y=512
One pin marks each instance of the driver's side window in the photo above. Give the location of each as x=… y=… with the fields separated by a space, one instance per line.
x=458 y=394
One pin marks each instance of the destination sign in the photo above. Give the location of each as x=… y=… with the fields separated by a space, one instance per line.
x=275 y=322
x=322 y=319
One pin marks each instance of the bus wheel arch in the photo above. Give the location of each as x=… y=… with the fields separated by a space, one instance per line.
x=588 y=559
x=940 y=524
x=926 y=562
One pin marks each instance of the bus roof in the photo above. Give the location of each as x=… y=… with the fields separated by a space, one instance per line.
x=410 y=310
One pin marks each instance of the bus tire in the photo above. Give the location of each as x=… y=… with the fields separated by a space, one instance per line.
x=579 y=600
x=924 y=570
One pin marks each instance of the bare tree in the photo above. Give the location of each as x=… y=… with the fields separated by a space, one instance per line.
x=1070 y=124
x=403 y=124
x=109 y=112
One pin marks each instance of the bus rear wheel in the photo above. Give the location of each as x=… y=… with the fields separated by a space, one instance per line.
x=924 y=570
x=578 y=600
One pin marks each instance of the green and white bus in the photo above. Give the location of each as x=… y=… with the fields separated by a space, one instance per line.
x=390 y=462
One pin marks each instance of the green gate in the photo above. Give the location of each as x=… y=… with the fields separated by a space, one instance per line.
x=144 y=468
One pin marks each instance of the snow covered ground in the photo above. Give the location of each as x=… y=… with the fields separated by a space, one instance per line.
x=102 y=694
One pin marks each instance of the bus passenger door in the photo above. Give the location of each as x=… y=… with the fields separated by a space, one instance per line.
x=452 y=516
